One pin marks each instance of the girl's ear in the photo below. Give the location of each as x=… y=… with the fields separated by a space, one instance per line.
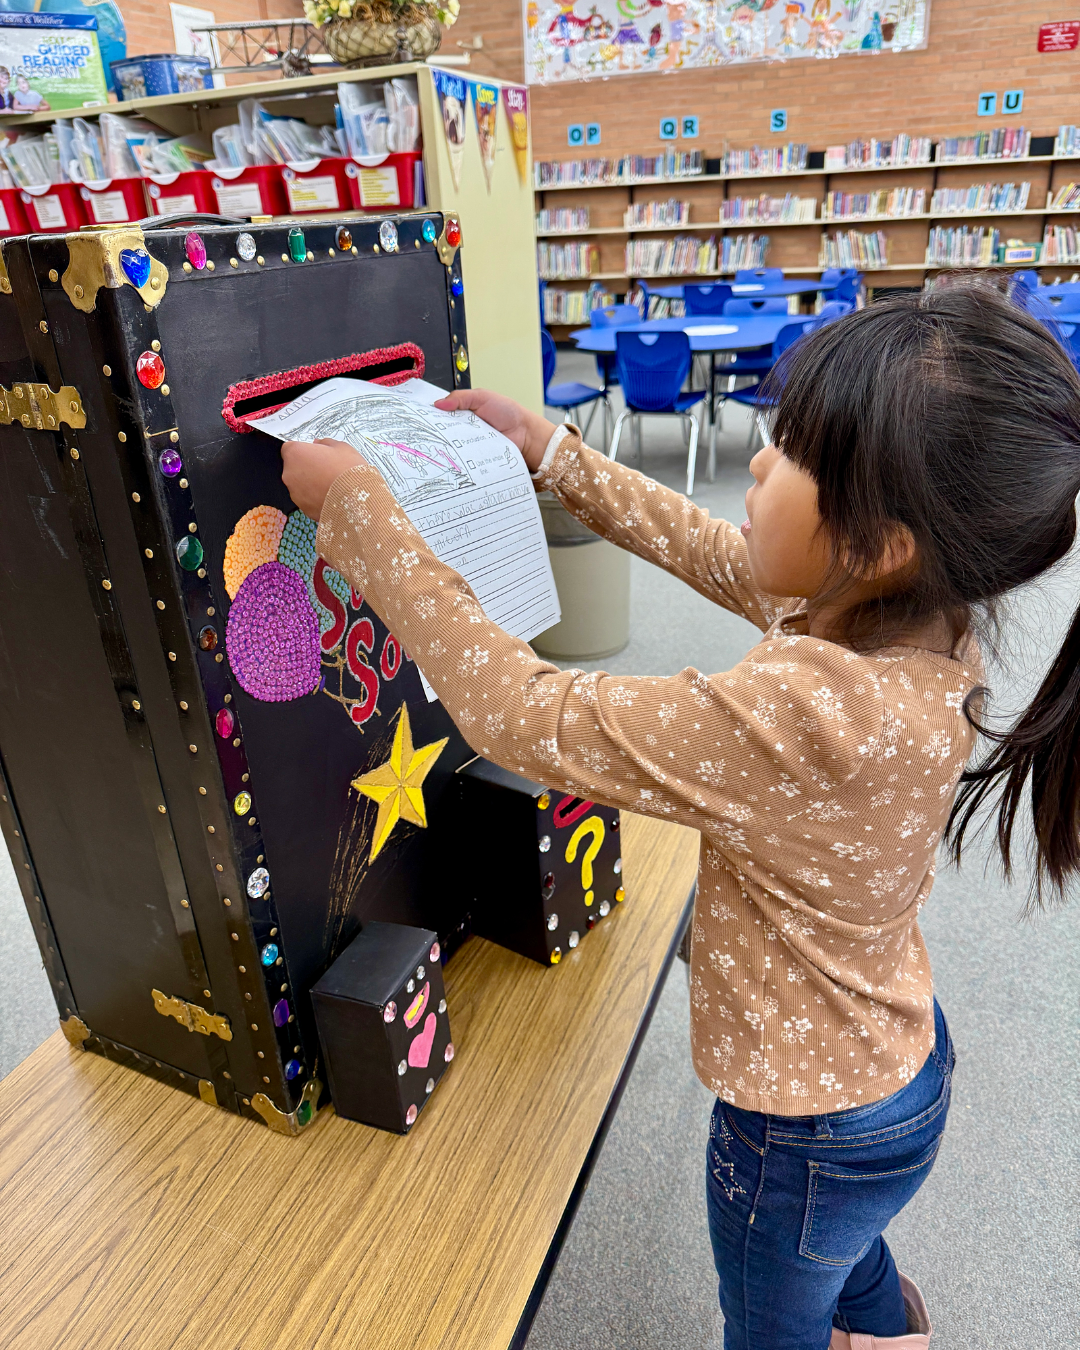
x=897 y=555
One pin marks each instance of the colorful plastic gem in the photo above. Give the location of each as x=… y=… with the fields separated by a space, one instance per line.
x=448 y=1053
x=410 y=1115
x=617 y=866
x=224 y=722
x=189 y=553
x=590 y=922
x=543 y=801
x=429 y=1086
x=170 y=463
x=420 y=972
x=548 y=885
x=281 y=1012
x=552 y=922
x=402 y=1066
x=429 y=231
x=545 y=842
x=150 y=369
x=410 y=986
x=344 y=239
x=245 y=246
x=453 y=233
x=136 y=265
x=457 y=286
x=556 y=956
x=208 y=638
x=292 y=1068
x=605 y=909
x=573 y=939
x=388 y=236
x=304 y=1112
x=442 y=1005
x=614 y=826
x=435 y=952
x=297 y=245
x=269 y=954
x=242 y=803
x=195 y=250
x=257 y=886
x=462 y=359
x=620 y=896
x=389 y=1012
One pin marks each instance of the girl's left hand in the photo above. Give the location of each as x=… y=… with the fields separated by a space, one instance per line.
x=310 y=468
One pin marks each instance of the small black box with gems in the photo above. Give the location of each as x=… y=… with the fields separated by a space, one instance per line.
x=385 y=1033
x=553 y=864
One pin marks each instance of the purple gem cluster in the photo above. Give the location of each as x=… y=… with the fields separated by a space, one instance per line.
x=273 y=636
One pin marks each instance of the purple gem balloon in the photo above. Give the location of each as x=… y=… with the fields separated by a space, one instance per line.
x=170 y=463
x=272 y=636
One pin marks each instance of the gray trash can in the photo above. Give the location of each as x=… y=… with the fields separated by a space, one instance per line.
x=593 y=581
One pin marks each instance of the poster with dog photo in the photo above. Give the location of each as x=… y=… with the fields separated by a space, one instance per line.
x=453 y=97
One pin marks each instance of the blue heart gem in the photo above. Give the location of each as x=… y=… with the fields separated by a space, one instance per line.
x=136 y=265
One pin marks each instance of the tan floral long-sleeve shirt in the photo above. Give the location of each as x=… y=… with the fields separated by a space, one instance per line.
x=820 y=780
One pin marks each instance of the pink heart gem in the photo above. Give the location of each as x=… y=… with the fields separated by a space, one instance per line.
x=420 y=1049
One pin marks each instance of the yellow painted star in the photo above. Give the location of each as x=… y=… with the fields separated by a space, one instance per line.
x=397 y=785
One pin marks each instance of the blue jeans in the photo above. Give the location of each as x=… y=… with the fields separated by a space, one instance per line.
x=797 y=1205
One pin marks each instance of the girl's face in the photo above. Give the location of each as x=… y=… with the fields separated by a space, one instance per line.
x=787 y=547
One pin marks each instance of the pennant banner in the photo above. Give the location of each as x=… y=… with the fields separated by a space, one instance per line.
x=453 y=97
x=516 y=102
x=485 y=99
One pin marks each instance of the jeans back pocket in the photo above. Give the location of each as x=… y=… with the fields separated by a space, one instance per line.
x=848 y=1207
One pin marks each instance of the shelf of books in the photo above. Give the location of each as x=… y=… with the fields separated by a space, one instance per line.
x=685 y=215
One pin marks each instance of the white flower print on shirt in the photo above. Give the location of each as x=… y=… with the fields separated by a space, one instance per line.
x=939 y=746
x=885 y=881
x=827 y=705
x=667 y=713
x=621 y=697
x=711 y=771
x=813 y=876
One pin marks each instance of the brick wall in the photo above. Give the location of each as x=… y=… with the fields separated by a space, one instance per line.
x=149 y=22
x=973 y=47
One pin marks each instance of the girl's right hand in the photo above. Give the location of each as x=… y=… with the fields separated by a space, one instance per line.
x=528 y=430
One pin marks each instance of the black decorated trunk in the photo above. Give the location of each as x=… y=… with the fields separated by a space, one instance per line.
x=552 y=866
x=189 y=699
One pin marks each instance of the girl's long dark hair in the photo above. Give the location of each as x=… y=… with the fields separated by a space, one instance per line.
x=953 y=415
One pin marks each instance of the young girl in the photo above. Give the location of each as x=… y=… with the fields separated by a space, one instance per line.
x=925 y=460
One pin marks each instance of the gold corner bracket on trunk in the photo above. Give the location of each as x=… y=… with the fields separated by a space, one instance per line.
x=111 y=258
x=446 y=250
x=75 y=1030
x=290 y=1122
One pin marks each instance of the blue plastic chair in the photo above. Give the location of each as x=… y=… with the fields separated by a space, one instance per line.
x=570 y=395
x=751 y=396
x=652 y=368
x=759 y=274
x=705 y=299
x=848 y=282
x=1027 y=278
x=611 y=316
x=833 y=309
x=745 y=304
x=1067 y=303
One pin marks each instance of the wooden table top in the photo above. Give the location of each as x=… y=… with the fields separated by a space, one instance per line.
x=135 y=1216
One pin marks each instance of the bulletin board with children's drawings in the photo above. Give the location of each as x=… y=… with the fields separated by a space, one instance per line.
x=589 y=39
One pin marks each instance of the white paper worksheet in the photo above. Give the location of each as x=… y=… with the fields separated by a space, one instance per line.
x=463 y=485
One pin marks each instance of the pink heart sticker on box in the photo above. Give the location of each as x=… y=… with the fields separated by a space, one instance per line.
x=420 y=1049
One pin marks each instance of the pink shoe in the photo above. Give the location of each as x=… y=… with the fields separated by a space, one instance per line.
x=916 y=1338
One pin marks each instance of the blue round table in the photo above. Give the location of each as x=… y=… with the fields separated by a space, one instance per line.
x=756 y=290
x=707 y=332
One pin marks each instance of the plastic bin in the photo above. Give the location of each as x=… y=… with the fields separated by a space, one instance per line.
x=12 y=216
x=375 y=184
x=181 y=193
x=317 y=185
x=163 y=73
x=592 y=577
x=254 y=191
x=53 y=207
x=114 y=200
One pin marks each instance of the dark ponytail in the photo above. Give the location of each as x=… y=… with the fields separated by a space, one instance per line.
x=1043 y=746
x=954 y=414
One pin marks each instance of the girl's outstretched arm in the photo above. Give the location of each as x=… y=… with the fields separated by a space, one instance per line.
x=628 y=508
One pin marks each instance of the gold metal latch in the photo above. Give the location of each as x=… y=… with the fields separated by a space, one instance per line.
x=193 y=1017
x=35 y=405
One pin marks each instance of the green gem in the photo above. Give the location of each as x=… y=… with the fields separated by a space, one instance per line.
x=303 y=1113
x=189 y=553
x=297 y=245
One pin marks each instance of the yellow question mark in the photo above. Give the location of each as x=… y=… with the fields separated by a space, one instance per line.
x=590 y=825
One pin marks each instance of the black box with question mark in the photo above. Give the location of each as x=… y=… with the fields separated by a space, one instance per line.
x=383 y=1025
x=539 y=868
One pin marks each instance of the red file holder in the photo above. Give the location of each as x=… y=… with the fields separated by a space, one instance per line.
x=53 y=207
x=12 y=216
x=254 y=191
x=317 y=185
x=383 y=184
x=114 y=201
x=181 y=193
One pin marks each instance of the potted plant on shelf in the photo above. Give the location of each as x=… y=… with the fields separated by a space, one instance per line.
x=379 y=32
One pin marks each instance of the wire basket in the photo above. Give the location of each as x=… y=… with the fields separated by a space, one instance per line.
x=379 y=35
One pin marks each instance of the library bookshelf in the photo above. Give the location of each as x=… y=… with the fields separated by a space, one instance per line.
x=796 y=245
